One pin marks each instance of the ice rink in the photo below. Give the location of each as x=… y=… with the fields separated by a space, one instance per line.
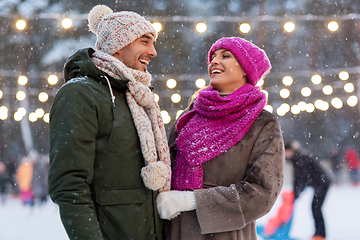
x=341 y=212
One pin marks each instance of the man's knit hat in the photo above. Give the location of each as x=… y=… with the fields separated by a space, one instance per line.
x=252 y=59
x=116 y=30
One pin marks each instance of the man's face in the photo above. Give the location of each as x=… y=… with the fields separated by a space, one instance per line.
x=138 y=54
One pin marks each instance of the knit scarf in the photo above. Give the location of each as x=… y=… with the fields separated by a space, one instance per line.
x=147 y=119
x=214 y=125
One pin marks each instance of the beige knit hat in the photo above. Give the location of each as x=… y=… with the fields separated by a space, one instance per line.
x=116 y=30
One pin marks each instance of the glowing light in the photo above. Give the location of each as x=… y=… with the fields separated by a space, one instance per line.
x=22 y=111
x=1 y=94
x=178 y=113
x=266 y=93
x=295 y=109
x=43 y=97
x=20 y=95
x=269 y=108
x=32 y=117
x=46 y=117
x=344 y=75
x=284 y=93
x=316 y=79
x=53 y=79
x=349 y=87
x=175 y=98
x=3 y=112
x=352 y=101
x=333 y=26
x=289 y=26
x=201 y=27
x=310 y=108
x=165 y=116
x=322 y=105
x=20 y=24
x=337 y=103
x=244 y=27
x=306 y=91
x=157 y=26
x=260 y=83
x=280 y=111
x=22 y=80
x=283 y=109
x=287 y=80
x=302 y=105
x=18 y=116
x=66 y=23
x=157 y=98
x=327 y=90
x=39 y=112
x=200 y=83
x=171 y=83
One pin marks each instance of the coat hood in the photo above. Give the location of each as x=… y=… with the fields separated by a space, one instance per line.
x=79 y=65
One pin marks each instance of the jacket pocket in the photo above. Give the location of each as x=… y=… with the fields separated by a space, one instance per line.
x=124 y=196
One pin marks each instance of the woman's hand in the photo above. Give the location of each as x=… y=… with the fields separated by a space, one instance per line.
x=171 y=203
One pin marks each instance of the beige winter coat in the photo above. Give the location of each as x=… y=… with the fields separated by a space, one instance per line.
x=240 y=186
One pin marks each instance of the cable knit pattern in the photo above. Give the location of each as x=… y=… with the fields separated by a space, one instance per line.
x=214 y=125
x=147 y=119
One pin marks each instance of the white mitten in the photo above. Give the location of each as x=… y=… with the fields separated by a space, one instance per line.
x=171 y=203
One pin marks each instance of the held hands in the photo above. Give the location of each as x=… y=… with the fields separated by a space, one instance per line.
x=171 y=203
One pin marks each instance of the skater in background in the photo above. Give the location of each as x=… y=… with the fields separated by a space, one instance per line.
x=40 y=178
x=308 y=172
x=24 y=176
x=2 y=181
x=336 y=160
x=352 y=158
x=227 y=152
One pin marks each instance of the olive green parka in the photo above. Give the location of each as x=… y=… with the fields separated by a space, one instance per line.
x=96 y=159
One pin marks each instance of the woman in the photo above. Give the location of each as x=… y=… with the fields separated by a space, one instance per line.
x=228 y=155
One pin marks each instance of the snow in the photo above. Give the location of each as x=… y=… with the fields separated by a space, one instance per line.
x=341 y=212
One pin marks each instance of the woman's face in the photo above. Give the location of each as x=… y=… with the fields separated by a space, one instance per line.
x=226 y=74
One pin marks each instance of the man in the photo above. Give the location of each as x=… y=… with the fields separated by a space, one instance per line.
x=108 y=147
x=307 y=172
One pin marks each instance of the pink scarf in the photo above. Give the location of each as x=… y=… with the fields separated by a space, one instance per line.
x=214 y=125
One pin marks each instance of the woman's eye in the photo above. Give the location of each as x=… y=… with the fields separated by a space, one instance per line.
x=226 y=56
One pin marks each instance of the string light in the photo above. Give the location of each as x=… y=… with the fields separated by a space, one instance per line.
x=289 y=27
x=244 y=28
x=175 y=98
x=171 y=83
x=333 y=26
x=20 y=24
x=201 y=27
x=316 y=79
x=53 y=79
x=66 y=23
x=157 y=26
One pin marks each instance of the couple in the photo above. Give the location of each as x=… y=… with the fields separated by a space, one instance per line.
x=111 y=172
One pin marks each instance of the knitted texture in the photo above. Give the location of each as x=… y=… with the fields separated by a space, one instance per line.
x=117 y=30
x=147 y=119
x=214 y=125
x=252 y=59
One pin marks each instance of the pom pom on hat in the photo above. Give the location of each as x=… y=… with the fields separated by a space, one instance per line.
x=252 y=59
x=116 y=30
x=95 y=16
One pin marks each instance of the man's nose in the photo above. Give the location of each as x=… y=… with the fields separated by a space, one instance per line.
x=152 y=51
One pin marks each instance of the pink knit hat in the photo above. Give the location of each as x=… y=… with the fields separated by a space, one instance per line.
x=252 y=59
x=116 y=30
